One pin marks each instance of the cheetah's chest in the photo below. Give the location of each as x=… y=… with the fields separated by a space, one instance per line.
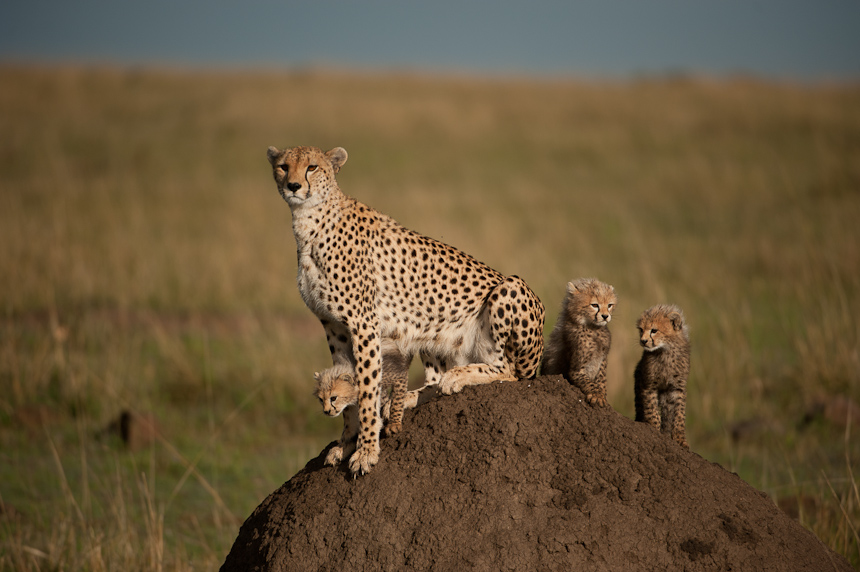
x=666 y=368
x=309 y=278
x=325 y=288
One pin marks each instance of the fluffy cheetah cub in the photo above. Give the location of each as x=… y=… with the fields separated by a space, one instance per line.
x=367 y=278
x=338 y=392
x=661 y=375
x=578 y=346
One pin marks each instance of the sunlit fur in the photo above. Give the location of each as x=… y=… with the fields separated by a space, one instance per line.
x=660 y=379
x=367 y=279
x=578 y=346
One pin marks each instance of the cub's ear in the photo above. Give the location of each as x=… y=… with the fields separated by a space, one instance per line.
x=578 y=285
x=347 y=377
x=677 y=320
x=337 y=157
x=272 y=153
x=317 y=376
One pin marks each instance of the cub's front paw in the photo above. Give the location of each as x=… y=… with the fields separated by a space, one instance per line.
x=363 y=460
x=598 y=400
x=393 y=428
x=335 y=456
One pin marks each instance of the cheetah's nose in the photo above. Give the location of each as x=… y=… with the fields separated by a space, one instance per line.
x=605 y=317
x=293 y=187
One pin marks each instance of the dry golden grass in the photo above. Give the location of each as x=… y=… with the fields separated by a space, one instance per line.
x=148 y=264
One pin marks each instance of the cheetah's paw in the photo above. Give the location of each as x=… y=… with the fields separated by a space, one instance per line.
x=393 y=428
x=363 y=460
x=598 y=400
x=451 y=385
x=335 y=456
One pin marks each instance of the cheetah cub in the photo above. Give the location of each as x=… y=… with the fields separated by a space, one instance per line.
x=661 y=375
x=367 y=279
x=578 y=346
x=338 y=391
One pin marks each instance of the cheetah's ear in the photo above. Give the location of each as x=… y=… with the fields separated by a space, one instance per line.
x=580 y=285
x=317 y=376
x=348 y=377
x=272 y=153
x=337 y=157
x=677 y=320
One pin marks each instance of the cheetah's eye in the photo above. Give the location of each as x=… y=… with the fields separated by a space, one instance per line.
x=595 y=306
x=611 y=306
x=283 y=168
x=333 y=399
x=312 y=168
x=653 y=330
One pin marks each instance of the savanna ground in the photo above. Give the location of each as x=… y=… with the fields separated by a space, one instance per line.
x=147 y=264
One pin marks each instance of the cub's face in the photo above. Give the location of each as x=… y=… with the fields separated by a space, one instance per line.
x=660 y=329
x=305 y=174
x=336 y=394
x=593 y=301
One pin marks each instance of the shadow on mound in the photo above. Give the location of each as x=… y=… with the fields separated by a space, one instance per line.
x=524 y=476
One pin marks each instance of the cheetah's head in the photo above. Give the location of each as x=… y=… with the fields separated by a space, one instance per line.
x=591 y=302
x=305 y=174
x=661 y=326
x=336 y=389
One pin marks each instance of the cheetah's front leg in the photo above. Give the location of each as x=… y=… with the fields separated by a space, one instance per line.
x=395 y=371
x=673 y=411
x=368 y=371
x=592 y=381
x=647 y=405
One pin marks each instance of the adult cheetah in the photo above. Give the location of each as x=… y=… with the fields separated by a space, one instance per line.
x=367 y=278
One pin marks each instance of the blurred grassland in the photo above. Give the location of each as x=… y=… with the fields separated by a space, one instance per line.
x=147 y=263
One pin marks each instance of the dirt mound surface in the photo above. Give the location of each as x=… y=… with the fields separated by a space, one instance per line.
x=524 y=476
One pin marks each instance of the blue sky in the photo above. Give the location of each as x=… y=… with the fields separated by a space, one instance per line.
x=808 y=40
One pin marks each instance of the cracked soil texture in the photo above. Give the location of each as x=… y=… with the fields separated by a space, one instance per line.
x=524 y=476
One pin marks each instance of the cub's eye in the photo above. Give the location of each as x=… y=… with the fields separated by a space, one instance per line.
x=595 y=305
x=333 y=399
x=312 y=168
x=282 y=168
x=611 y=306
x=653 y=330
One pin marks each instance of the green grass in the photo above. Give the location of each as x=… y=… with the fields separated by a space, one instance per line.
x=147 y=263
